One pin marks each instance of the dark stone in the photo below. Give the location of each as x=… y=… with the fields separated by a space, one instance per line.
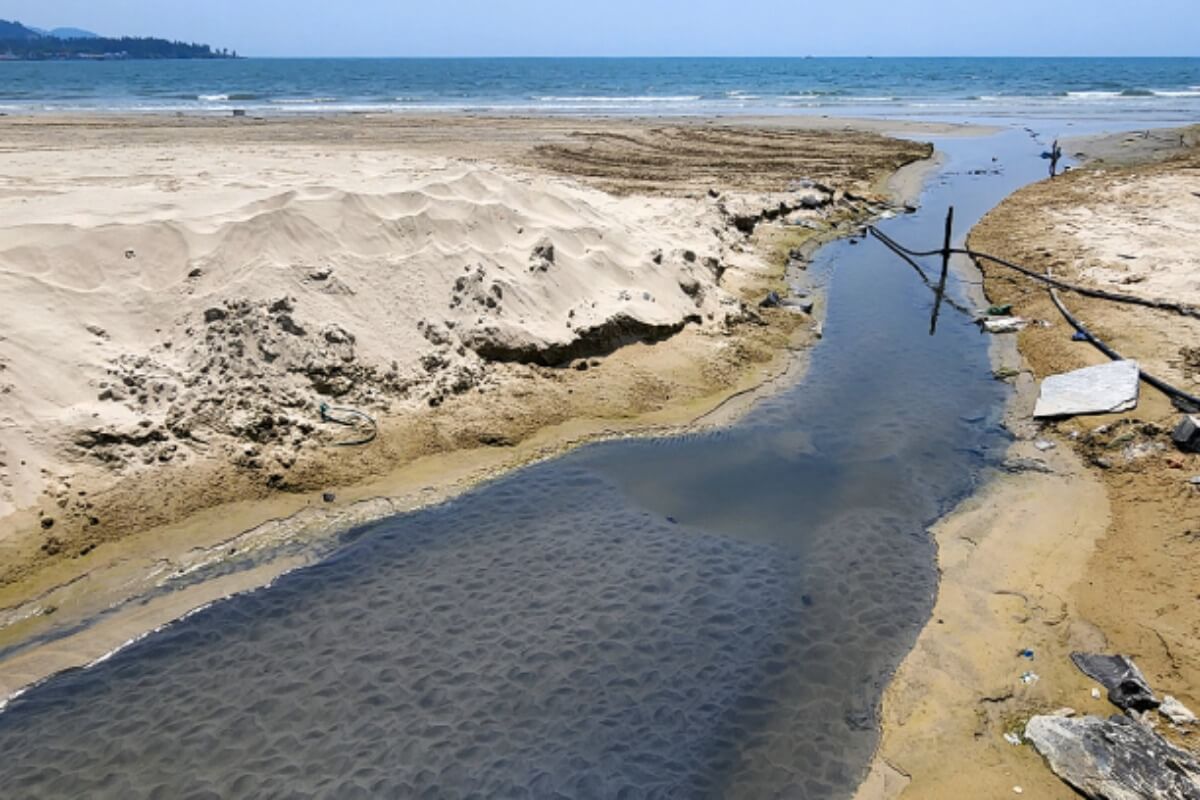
x=329 y=497
x=196 y=273
x=213 y=314
x=772 y=300
x=1114 y=759
x=1187 y=434
x=1127 y=686
x=47 y=523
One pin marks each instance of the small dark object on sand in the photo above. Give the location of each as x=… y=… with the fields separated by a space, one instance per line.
x=329 y=497
x=770 y=301
x=1127 y=686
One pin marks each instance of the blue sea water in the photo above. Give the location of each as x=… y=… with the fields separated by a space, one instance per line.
x=1148 y=89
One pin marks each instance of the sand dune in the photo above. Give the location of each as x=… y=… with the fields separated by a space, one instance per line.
x=137 y=342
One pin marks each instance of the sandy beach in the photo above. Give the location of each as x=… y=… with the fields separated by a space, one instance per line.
x=189 y=292
x=1094 y=550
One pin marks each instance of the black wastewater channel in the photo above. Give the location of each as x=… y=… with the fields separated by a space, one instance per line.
x=712 y=615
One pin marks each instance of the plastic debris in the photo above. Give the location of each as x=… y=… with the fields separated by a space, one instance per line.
x=1000 y=311
x=1104 y=389
x=1018 y=790
x=1030 y=678
x=1079 y=336
x=1026 y=654
x=1096 y=693
x=1044 y=445
x=1005 y=325
x=1012 y=738
x=1127 y=686
x=1176 y=711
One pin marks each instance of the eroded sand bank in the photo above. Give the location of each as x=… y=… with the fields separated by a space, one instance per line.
x=491 y=291
x=1098 y=554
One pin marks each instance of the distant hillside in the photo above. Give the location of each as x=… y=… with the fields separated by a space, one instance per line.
x=72 y=33
x=17 y=31
x=18 y=42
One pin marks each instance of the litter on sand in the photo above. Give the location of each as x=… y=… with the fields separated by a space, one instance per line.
x=1012 y=739
x=1005 y=325
x=1102 y=389
x=1030 y=677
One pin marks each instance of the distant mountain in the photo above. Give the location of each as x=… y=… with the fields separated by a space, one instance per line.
x=21 y=43
x=73 y=33
x=16 y=31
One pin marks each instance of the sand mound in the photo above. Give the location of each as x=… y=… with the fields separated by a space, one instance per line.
x=155 y=340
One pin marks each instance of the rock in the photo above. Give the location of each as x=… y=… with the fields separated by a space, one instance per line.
x=543 y=254
x=195 y=273
x=329 y=497
x=772 y=300
x=1176 y=711
x=1187 y=434
x=1044 y=444
x=1114 y=759
x=214 y=314
x=1103 y=389
x=689 y=256
x=335 y=334
x=1017 y=466
x=689 y=286
x=1127 y=686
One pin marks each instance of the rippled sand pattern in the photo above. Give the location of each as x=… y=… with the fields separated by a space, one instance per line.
x=484 y=648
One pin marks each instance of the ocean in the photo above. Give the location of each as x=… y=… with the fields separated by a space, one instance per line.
x=1147 y=89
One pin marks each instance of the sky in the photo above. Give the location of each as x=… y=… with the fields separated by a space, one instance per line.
x=641 y=27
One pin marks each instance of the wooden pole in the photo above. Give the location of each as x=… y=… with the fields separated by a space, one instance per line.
x=941 y=287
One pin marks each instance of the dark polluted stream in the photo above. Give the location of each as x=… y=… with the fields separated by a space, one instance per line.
x=713 y=615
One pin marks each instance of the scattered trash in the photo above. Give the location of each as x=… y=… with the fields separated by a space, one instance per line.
x=1012 y=739
x=1176 y=711
x=1104 y=389
x=1026 y=654
x=672 y=520
x=1000 y=311
x=1005 y=325
x=1044 y=444
x=1079 y=336
x=1018 y=790
x=1096 y=693
x=1029 y=678
x=1195 y=481
x=1127 y=686
x=1187 y=434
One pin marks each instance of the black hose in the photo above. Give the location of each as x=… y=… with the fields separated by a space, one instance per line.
x=1183 y=400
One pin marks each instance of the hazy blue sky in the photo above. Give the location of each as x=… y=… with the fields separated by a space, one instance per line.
x=642 y=27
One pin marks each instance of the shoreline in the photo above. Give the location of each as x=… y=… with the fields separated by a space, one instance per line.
x=1026 y=562
x=137 y=563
